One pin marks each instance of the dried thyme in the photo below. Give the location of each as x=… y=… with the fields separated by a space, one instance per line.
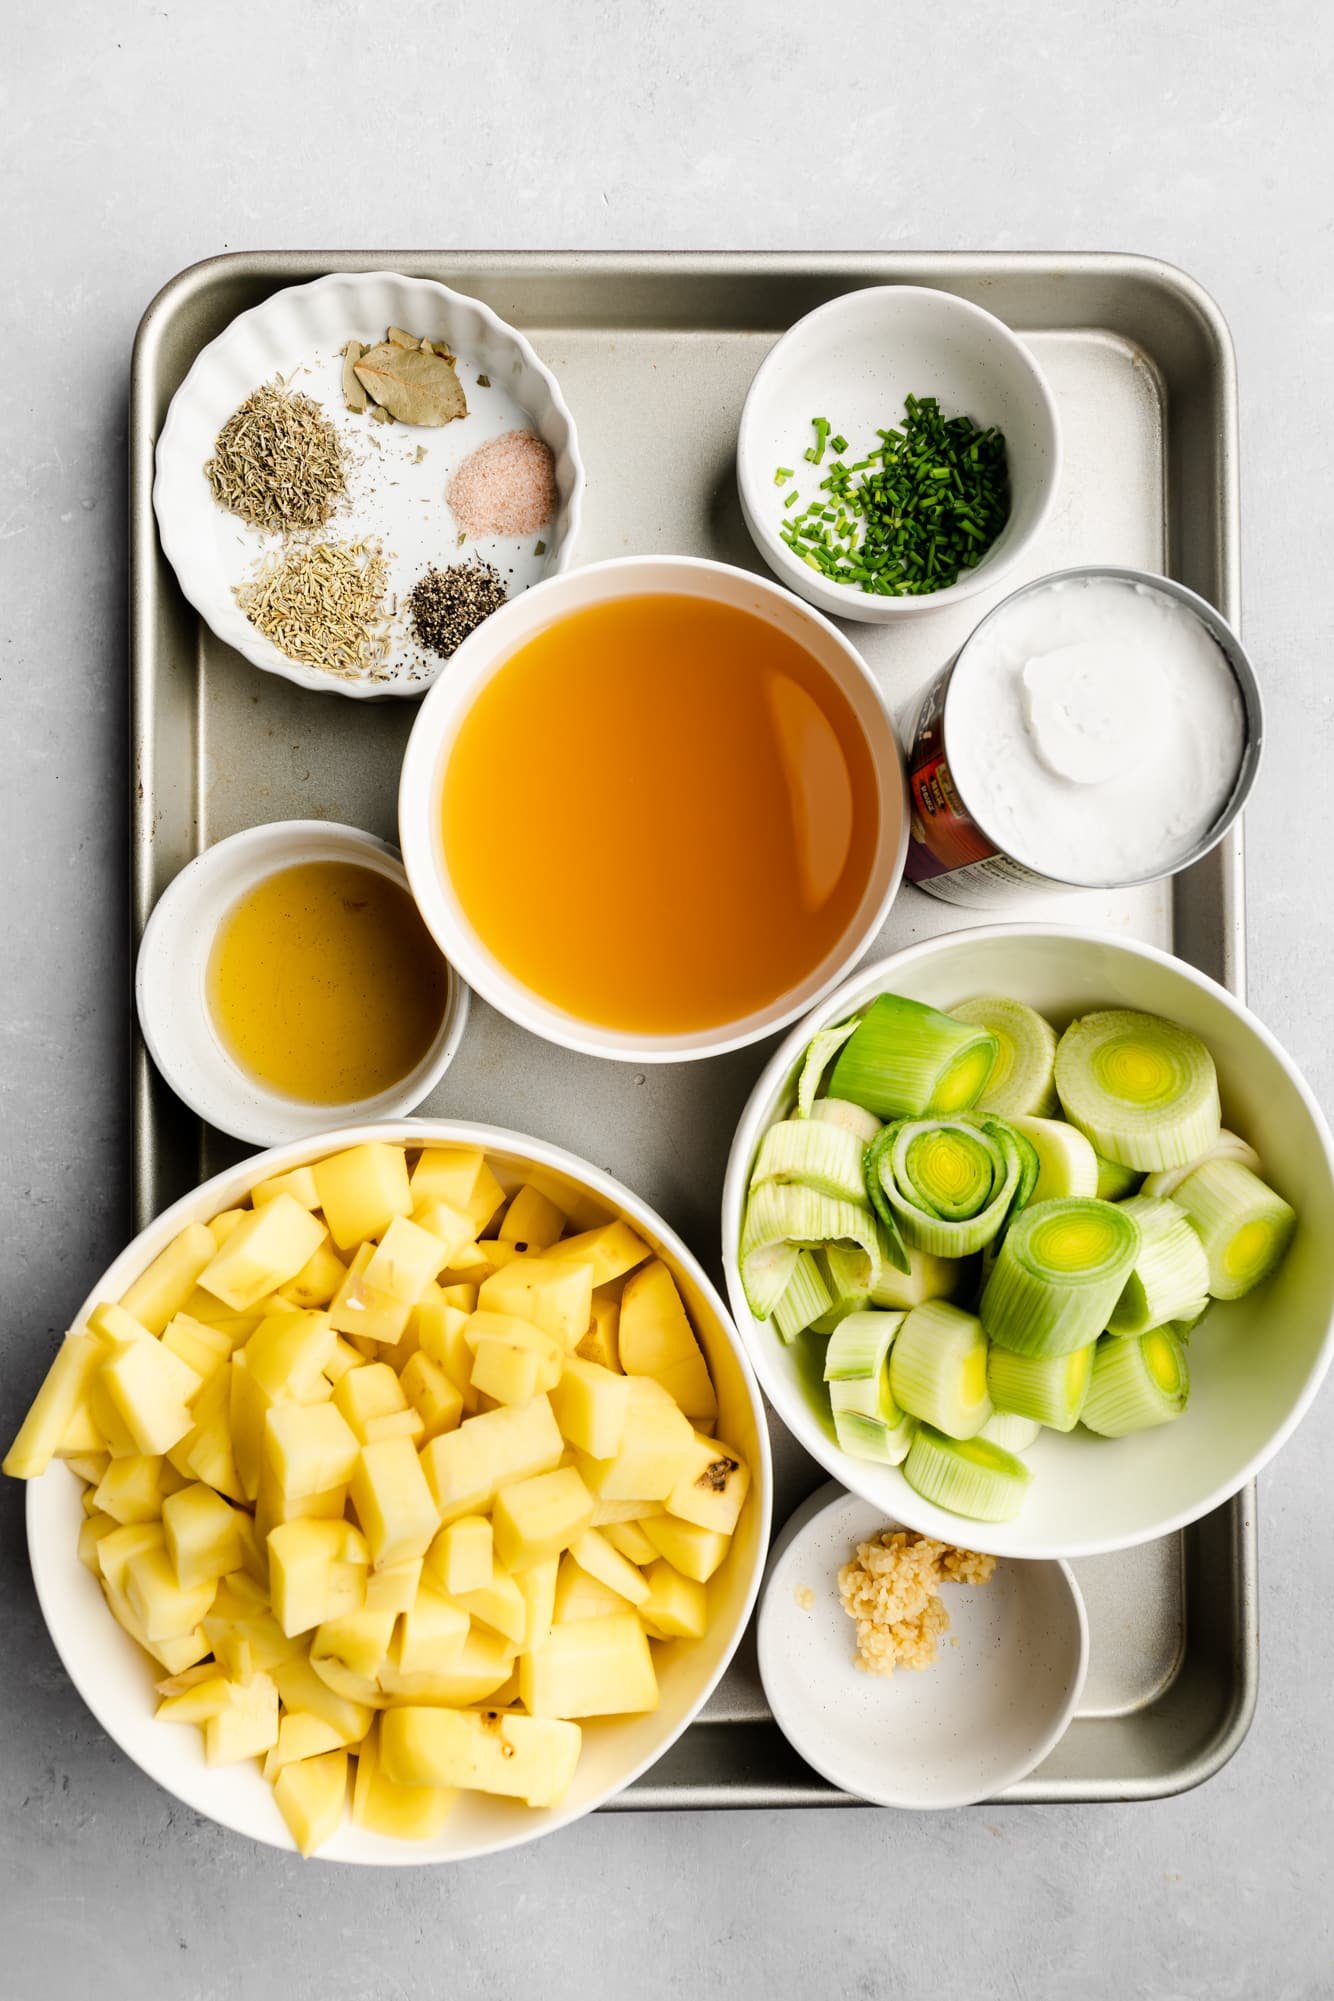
x=323 y=603
x=446 y=605
x=276 y=462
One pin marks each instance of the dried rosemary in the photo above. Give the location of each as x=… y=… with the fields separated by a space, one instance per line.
x=323 y=603
x=276 y=462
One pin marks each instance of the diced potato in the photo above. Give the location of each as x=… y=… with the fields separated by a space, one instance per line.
x=318 y=1279
x=396 y=1424
x=394 y=1589
x=535 y=1519
x=657 y=1340
x=202 y=1347
x=461 y=1177
x=368 y=1392
x=317 y=1571
x=150 y=1390
x=202 y=1537
x=579 y=1596
x=465 y=1468
x=309 y=1447
x=694 y=1551
x=205 y=1453
x=591 y=1404
x=553 y=1294
x=161 y=1292
x=611 y=1250
x=301 y=1689
x=116 y=1549
x=605 y=1512
x=360 y=1640
x=601 y=1343
x=238 y=1327
x=267 y=1247
x=406 y=1261
x=593 y=1553
x=449 y=1227
x=393 y=1501
x=248 y=1407
x=311 y=1794
x=537 y=1585
x=91 y=1531
x=298 y=1182
x=499 y=1604
x=287 y=1353
x=132 y=1488
x=677 y=1607
x=405 y=1813
x=462 y=1556
x=248 y=1644
x=248 y=1727
x=221 y=1226
x=532 y=1221
x=363 y=1311
x=656 y=1447
x=520 y=1757
x=40 y=1434
x=713 y=1488
x=590 y=1667
x=431 y=1636
x=432 y=1395
x=442 y=1333
x=484 y=1665
x=362 y=1190
x=512 y=1360
x=115 y=1327
x=462 y=1294
x=343 y=1358
x=300 y=1735
x=87 y=1466
x=199 y=1702
x=165 y=1609
x=629 y=1538
x=82 y=1438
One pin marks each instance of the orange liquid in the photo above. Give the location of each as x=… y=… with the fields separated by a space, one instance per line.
x=660 y=814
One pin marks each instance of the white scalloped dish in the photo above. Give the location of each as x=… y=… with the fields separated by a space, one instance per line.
x=394 y=494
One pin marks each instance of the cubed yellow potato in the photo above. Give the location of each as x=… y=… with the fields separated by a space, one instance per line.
x=367 y=1392
x=317 y=1571
x=579 y=1596
x=87 y=1466
x=221 y=1226
x=287 y=1353
x=657 y=1340
x=116 y=1549
x=512 y=1366
x=519 y=1757
x=343 y=1358
x=82 y=1438
x=442 y=1333
x=248 y=1407
x=465 y=1468
x=300 y=1735
x=535 y=1519
x=590 y=1667
x=462 y=1294
x=655 y=1449
x=301 y=1689
x=601 y=1343
x=318 y=1279
x=553 y=1294
x=405 y=1813
x=204 y=1348
x=499 y=1605
x=461 y=1177
x=629 y=1538
x=677 y=1607
x=132 y=1489
x=159 y=1293
x=205 y=1453
x=694 y=1551
x=483 y=1665
x=364 y=1312
x=116 y=1327
x=91 y=1531
x=396 y=1424
x=360 y=1640
x=406 y=1261
x=362 y=1190
x=591 y=1404
x=431 y=1635
x=447 y=1226
x=593 y=1553
x=174 y=1655
x=40 y=1434
x=712 y=1490
x=532 y=1221
x=165 y=1609
x=298 y=1182
x=247 y=1727
x=203 y=1540
x=394 y=1504
x=611 y=1250
x=537 y=1586
x=394 y=1589
x=248 y=1644
x=238 y=1327
x=267 y=1247
x=201 y=1700
x=462 y=1556
x=605 y=1512
x=150 y=1390
x=432 y=1395
x=309 y=1447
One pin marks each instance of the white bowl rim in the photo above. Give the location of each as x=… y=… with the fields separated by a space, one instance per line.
x=447 y=1132
x=840 y=1465
x=507 y=994
x=832 y=1495
x=296 y=670
x=266 y=1120
x=840 y=600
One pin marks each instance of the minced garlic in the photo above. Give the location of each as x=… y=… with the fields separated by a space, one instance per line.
x=891 y=1589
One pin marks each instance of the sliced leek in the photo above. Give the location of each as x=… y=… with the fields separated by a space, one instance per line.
x=1142 y=1089
x=858 y=1350
x=819 y=1055
x=927 y=1277
x=1023 y=1078
x=1137 y=1382
x=806 y=1297
x=1058 y=1274
x=1171 y=1272
x=906 y=1059
x=1015 y=1434
x=938 y=1369
x=1116 y=1182
x=819 y=1156
x=782 y=1219
x=1067 y=1164
x=867 y=1421
x=972 y=1477
x=1228 y=1146
x=1048 y=1389
x=842 y=1112
x=847 y=1274
x=949 y=1183
x=1244 y=1226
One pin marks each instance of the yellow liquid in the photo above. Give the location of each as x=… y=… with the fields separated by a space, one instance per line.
x=324 y=983
x=660 y=814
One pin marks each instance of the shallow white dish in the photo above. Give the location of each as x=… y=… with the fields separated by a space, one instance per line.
x=171 y=994
x=486 y=651
x=116 y=1679
x=1256 y=1363
x=854 y=360
x=299 y=333
x=997 y=1699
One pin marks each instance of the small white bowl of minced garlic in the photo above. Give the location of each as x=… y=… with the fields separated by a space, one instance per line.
x=910 y=1673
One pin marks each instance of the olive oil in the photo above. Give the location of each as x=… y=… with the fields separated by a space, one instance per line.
x=324 y=984
x=660 y=814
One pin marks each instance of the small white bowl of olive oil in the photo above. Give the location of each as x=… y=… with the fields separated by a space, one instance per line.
x=286 y=983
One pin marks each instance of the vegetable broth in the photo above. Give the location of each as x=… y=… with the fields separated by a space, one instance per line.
x=660 y=814
x=323 y=983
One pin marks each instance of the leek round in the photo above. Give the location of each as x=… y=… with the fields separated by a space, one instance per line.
x=1143 y=1090
x=820 y=1053
x=1171 y=1272
x=1138 y=1381
x=783 y=1219
x=867 y=1421
x=824 y=1157
x=972 y=1477
x=1067 y=1164
x=1048 y=1389
x=1228 y=1146
x=938 y=1369
x=905 y=1058
x=842 y=1112
x=1244 y=1226
x=804 y=1300
x=1022 y=1080
x=1059 y=1272
x=1015 y=1434
x=1116 y=1182
x=949 y=1184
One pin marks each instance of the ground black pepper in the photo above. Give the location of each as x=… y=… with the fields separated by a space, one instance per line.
x=446 y=605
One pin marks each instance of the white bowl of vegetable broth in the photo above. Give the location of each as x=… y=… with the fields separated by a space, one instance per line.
x=116 y=1678
x=1252 y=1363
x=654 y=810
x=286 y=982
x=860 y=417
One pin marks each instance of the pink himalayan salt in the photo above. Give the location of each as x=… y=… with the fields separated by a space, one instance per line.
x=506 y=487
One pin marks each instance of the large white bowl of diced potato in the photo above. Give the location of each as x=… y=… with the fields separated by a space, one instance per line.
x=403 y=1494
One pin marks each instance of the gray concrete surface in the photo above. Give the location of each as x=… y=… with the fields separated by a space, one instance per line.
x=136 y=138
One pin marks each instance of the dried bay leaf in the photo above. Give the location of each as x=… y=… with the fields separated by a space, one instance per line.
x=413 y=385
x=353 y=394
x=397 y=338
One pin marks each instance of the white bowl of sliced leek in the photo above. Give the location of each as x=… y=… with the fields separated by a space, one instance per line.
x=1119 y=1300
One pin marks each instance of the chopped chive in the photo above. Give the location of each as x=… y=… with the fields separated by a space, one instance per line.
x=791 y=497
x=782 y=474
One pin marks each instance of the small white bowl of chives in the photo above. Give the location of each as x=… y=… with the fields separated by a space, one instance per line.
x=899 y=450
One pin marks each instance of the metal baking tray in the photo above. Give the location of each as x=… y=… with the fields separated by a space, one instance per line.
x=654 y=353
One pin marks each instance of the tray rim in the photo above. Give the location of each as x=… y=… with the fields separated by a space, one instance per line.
x=926 y=267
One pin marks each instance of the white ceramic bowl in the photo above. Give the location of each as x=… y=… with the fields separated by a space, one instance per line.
x=486 y=651
x=1256 y=1363
x=299 y=333
x=855 y=360
x=171 y=994
x=998 y=1698
x=116 y=1680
